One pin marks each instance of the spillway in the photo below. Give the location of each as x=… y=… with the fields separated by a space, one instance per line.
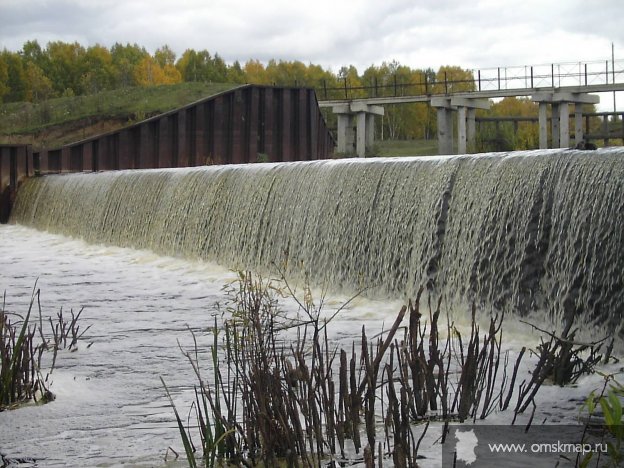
x=524 y=232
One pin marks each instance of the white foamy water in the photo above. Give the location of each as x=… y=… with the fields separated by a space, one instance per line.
x=110 y=407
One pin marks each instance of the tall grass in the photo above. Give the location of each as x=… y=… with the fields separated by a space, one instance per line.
x=283 y=394
x=22 y=346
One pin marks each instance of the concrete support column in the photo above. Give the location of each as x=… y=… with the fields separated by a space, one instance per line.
x=564 y=125
x=471 y=129
x=362 y=116
x=360 y=146
x=561 y=116
x=466 y=126
x=543 y=125
x=578 y=123
x=461 y=130
x=345 y=133
x=370 y=130
x=445 y=131
x=555 y=125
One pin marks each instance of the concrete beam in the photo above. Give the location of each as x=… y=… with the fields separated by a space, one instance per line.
x=471 y=103
x=554 y=97
x=441 y=102
x=363 y=107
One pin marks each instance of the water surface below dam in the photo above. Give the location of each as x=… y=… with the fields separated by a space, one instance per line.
x=110 y=407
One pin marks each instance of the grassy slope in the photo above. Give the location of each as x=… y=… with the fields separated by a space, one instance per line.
x=61 y=120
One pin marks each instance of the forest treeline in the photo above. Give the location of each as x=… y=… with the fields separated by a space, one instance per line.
x=61 y=69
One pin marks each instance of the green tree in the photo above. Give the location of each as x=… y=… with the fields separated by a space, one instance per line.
x=125 y=59
x=235 y=73
x=15 y=87
x=98 y=70
x=164 y=56
x=39 y=86
x=66 y=66
x=4 y=77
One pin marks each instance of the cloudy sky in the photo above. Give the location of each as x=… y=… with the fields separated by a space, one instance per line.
x=421 y=33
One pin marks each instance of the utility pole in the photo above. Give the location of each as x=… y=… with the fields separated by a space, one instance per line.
x=613 y=73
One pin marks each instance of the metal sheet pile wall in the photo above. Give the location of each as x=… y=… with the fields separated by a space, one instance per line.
x=248 y=124
x=16 y=163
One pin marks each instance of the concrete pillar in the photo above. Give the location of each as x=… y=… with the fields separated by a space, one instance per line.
x=471 y=130
x=345 y=133
x=578 y=123
x=370 y=130
x=555 y=125
x=543 y=125
x=561 y=116
x=445 y=131
x=364 y=135
x=360 y=147
x=461 y=130
x=564 y=125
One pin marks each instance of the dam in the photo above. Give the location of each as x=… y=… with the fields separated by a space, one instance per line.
x=522 y=232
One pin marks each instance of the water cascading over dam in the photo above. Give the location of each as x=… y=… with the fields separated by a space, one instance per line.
x=524 y=231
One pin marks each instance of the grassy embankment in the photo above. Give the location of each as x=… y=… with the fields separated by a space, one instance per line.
x=58 y=121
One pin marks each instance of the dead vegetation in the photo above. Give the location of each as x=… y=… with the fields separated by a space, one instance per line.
x=277 y=400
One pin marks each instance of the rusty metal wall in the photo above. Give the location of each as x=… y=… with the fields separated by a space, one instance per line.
x=244 y=125
x=16 y=163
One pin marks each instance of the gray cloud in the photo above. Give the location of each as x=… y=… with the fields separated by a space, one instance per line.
x=426 y=33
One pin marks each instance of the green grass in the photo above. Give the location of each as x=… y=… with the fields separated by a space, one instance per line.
x=133 y=104
x=406 y=147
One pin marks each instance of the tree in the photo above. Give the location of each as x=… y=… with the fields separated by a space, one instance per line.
x=164 y=56
x=125 y=59
x=15 y=87
x=66 y=66
x=4 y=77
x=149 y=73
x=235 y=73
x=256 y=73
x=98 y=70
x=39 y=86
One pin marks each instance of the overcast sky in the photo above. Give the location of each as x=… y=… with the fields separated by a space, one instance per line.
x=424 y=33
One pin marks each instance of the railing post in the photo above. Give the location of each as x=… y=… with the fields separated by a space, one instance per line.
x=585 y=74
x=552 y=74
x=499 y=78
x=532 y=77
x=345 y=88
x=445 y=83
x=325 y=88
x=376 y=90
x=606 y=72
x=426 y=84
x=479 y=78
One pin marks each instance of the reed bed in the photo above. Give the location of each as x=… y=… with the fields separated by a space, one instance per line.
x=23 y=345
x=274 y=401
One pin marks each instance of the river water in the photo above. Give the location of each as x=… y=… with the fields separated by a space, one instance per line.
x=110 y=407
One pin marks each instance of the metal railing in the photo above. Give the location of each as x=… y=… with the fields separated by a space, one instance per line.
x=554 y=75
